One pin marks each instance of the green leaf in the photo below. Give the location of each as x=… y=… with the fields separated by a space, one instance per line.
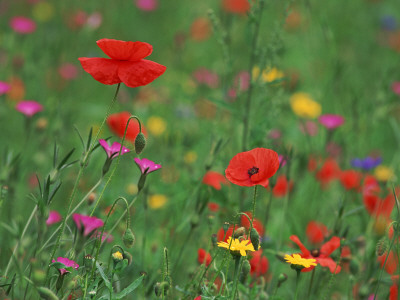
x=58 y=265
x=104 y=276
x=130 y=288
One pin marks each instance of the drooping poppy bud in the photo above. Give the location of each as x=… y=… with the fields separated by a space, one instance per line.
x=129 y=238
x=140 y=143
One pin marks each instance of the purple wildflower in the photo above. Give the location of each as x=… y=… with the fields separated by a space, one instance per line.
x=330 y=121
x=54 y=217
x=367 y=163
x=4 y=87
x=113 y=150
x=89 y=223
x=68 y=263
x=29 y=108
x=146 y=166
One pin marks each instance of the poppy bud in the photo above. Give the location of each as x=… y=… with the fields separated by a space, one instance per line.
x=239 y=232
x=245 y=271
x=225 y=226
x=87 y=260
x=255 y=238
x=381 y=247
x=140 y=143
x=281 y=279
x=46 y=293
x=354 y=266
x=129 y=238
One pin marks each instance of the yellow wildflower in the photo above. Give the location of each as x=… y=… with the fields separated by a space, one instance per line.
x=268 y=74
x=384 y=173
x=131 y=189
x=298 y=261
x=43 y=11
x=237 y=246
x=117 y=256
x=156 y=125
x=190 y=157
x=157 y=201
x=304 y=106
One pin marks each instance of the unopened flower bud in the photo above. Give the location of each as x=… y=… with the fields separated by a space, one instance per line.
x=381 y=247
x=281 y=279
x=129 y=238
x=255 y=238
x=239 y=232
x=214 y=240
x=92 y=197
x=140 y=143
x=354 y=266
x=245 y=271
x=225 y=226
x=46 y=293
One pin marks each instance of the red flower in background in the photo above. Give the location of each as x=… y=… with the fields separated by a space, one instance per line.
x=126 y=64
x=258 y=264
x=203 y=257
x=379 y=207
x=117 y=123
x=391 y=263
x=221 y=234
x=214 y=179
x=350 y=179
x=328 y=172
x=320 y=255
x=236 y=6
x=253 y=167
x=282 y=186
x=256 y=223
x=212 y=206
x=316 y=232
x=394 y=289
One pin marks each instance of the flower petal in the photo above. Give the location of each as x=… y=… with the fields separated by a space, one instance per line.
x=330 y=263
x=330 y=246
x=139 y=73
x=102 y=69
x=121 y=50
x=303 y=249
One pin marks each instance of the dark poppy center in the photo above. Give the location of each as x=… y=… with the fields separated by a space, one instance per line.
x=252 y=171
x=315 y=252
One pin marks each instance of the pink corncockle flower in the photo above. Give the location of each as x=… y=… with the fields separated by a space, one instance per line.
x=206 y=77
x=105 y=235
x=396 y=87
x=22 y=25
x=330 y=121
x=146 y=166
x=29 y=108
x=4 y=87
x=68 y=263
x=68 y=71
x=113 y=150
x=282 y=160
x=146 y=5
x=54 y=217
x=309 y=127
x=89 y=224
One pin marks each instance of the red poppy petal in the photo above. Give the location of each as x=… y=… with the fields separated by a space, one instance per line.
x=102 y=69
x=267 y=161
x=330 y=263
x=239 y=166
x=121 y=50
x=330 y=246
x=303 y=249
x=139 y=73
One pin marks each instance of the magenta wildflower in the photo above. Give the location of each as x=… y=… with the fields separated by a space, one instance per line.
x=396 y=87
x=68 y=71
x=89 y=224
x=330 y=121
x=146 y=166
x=147 y=5
x=29 y=108
x=4 y=87
x=105 y=235
x=68 y=263
x=54 y=217
x=22 y=25
x=113 y=150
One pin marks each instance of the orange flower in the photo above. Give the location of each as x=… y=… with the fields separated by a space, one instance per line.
x=236 y=6
x=253 y=167
x=214 y=179
x=117 y=123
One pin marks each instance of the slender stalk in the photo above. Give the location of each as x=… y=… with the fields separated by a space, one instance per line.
x=311 y=282
x=236 y=275
x=297 y=284
x=253 y=210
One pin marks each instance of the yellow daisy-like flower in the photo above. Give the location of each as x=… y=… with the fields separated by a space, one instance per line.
x=298 y=261
x=156 y=125
x=268 y=75
x=117 y=256
x=157 y=201
x=384 y=173
x=237 y=246
x=304 y=106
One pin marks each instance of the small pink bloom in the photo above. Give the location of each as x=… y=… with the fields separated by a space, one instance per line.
x=54 y=217
x=146 y=166
x=146 y=5
x=4 y=87
x=207 y=77
x=330 y=121
x=68 y=71
x=94 y=20
x=29 y=108
x=22 y=25
x=68 y=263
x=97 y=233
x=282 y=160
x=396 y=87
x=113 y=150
x=309 y=128
x=242 y=81
x=275 y=134
x=89 y=223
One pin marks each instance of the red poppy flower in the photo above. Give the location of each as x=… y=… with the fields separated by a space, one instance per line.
x=391 y=263
x=394 y=292
x=214 y=179
x=212 y=206
x=258 y=264
x=221 y=234
x=256 y=223
x=282 y=186
x=126 y=64
x=117 y=123
x=328 y=172
x=203 y=257
x=320 y=255
x=236 y=6
x=316 y=232
x=350 y=179
x=379 y=207
x=253 y=167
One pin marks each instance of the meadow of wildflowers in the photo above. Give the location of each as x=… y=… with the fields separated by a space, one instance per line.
x=216 y=149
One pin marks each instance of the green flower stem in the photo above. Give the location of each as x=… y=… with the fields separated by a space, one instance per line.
x=311 y=283
x=145 y=208
x=246 y=117
x=297 y=284
x=253 y=207
x=20 y=239
x=236 y=275
x=78 y=178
